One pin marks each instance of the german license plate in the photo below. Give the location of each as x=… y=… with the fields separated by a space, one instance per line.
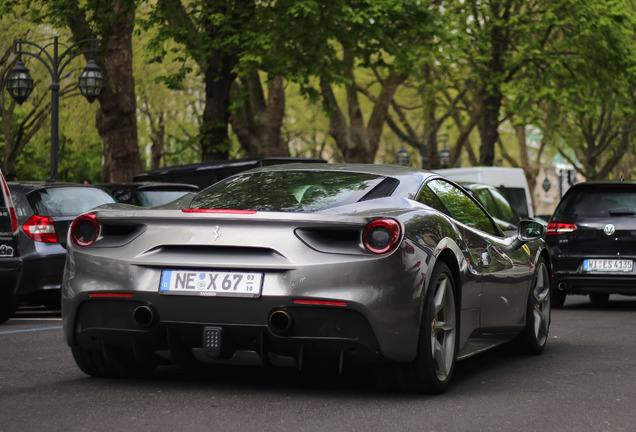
x=608 y=265
x=211 y=283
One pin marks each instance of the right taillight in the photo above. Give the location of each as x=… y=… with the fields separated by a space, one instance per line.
x=40 y=229
x=559 y=228
x=382 y=235
x=85 y=229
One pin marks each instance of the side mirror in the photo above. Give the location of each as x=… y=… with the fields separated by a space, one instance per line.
x=526 y=231
x=530 y=230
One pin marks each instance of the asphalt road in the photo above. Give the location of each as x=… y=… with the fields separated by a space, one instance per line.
x=585 y=381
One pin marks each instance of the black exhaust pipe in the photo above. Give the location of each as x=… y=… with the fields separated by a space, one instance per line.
x=144 y=317
x=280 y=321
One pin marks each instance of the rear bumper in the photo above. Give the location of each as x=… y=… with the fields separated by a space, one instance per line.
x=594 y=284
x=168 y=329
x=42 y=274
x=569 y=277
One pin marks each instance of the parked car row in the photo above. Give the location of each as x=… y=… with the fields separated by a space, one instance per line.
x=34 y=221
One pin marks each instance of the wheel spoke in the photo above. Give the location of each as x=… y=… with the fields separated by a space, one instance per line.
x=444 y=326
x=541 y=310
x=439 y=358
x=440 y=295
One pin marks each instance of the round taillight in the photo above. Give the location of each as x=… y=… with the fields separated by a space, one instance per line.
x=85 y=229
x=381 y=236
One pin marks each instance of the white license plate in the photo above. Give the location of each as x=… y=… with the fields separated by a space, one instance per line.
x=608 y=265
x=211 y=283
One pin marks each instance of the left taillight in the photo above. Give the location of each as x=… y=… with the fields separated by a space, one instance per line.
x=382 y=235
x=40 y=229
x=85 y=229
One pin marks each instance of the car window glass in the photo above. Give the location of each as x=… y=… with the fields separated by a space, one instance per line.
x=505 y=211
x=428 y=197
x=485 y=199
x=597 y=202
x=517 y=199
x=287 y=191
x=67 y=201
x=462 y=207
x=151 y=198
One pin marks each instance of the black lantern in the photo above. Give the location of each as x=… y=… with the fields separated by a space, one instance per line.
x=20 y=83
x=445 y=157
x=402 y=157
x=91 y=81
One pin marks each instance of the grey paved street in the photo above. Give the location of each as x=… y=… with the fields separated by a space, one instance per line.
x=583 y=382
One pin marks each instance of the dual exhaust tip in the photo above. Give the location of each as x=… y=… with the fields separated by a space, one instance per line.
x=280 y=321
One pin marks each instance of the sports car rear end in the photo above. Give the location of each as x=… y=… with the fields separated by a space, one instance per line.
x=209 y=285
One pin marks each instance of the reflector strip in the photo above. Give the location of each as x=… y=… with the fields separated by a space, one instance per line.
x=110 y=295
x=224 y=211
x=320 y=302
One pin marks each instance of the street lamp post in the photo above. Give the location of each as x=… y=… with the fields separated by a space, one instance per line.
x=20 y=83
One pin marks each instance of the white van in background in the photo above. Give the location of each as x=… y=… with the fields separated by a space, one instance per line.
x=511 y=182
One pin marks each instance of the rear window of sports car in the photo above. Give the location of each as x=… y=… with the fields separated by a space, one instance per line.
x=290 y=191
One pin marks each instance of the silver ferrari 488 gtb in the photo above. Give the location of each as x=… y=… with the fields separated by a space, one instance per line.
x=309 y=266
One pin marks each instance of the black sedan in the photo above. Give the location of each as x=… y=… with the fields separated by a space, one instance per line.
x=308 y=266
x=592 y=242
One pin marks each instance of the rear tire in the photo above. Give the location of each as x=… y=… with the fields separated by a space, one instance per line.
x=434 y=364
x=538 y=315
x=599 y=299
x=118 y=365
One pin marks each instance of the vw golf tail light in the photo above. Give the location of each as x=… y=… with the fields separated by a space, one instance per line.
x=85 y=229
x=555 y=228
x=382 y=235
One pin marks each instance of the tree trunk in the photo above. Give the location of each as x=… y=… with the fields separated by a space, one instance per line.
x=214 y=136
x=359 y=143
x=158 y=138
x=117 y=115
x=489 y=129
x=258 y=125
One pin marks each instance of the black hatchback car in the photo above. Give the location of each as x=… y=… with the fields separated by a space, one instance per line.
x=592 y=242
x=44 y=213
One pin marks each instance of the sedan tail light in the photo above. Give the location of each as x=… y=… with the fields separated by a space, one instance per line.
x=382 y=235
x=85 y=229
x=41 y=229
x=555 y=228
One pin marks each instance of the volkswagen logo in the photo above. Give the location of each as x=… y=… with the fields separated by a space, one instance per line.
x=609 y=229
